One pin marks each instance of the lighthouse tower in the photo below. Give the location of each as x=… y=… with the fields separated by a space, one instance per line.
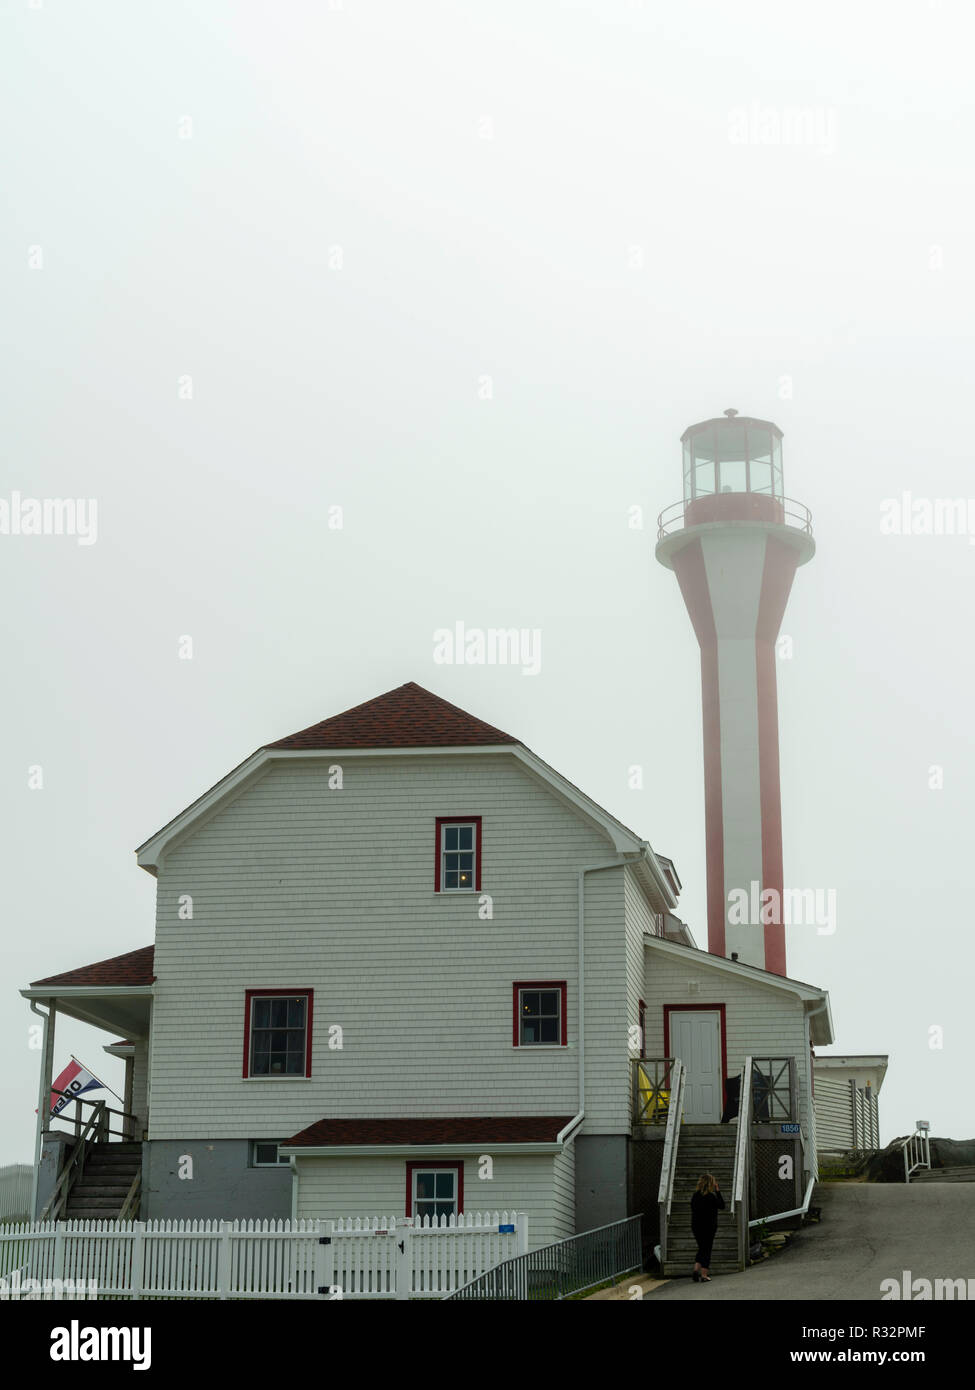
x=734 y=543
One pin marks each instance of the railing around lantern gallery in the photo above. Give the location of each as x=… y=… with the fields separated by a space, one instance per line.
x=788 y=512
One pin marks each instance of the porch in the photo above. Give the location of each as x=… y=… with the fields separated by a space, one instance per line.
x=88 y=1157
x=758 y=1151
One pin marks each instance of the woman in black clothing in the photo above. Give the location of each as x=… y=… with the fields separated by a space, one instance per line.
x=705 y=1204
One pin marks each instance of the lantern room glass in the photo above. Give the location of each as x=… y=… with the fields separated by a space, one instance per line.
x=733 y=455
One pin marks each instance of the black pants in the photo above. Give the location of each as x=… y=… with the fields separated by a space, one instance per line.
x=705 y=1240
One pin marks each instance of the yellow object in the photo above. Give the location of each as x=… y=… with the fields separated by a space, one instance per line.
x=654 y=1101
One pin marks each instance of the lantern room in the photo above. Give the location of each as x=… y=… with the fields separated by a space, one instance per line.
x=732 y=470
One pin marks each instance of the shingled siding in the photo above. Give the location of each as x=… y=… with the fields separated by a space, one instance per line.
x=296 y=885
x=564 y=1193
x=761 y=1019
x=332 y=1187
x=605 y=956
x=140 y=1078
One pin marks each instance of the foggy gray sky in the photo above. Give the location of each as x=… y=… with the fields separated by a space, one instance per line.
x=380 y=205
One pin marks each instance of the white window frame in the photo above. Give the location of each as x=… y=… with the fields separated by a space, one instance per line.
x=279 y=1162
x=458 y=825
x=436 y=1172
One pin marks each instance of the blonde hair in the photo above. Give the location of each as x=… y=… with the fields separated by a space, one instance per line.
x=705 y=1183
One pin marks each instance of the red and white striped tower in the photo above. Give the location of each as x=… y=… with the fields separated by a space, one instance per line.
x=735 y=542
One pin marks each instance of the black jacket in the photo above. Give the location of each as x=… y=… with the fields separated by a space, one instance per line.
x=704 y=1210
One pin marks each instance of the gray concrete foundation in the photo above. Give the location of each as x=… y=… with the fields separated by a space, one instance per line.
x=222 y=1187
x=601 y=1179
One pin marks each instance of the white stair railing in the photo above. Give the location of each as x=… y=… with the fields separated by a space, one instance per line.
x=668 y=1164
x=917 y=1152
x=740 y=1185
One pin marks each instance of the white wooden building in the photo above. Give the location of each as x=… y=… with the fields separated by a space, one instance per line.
x=402 y=965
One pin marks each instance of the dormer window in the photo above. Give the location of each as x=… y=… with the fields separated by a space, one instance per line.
x=458 y=867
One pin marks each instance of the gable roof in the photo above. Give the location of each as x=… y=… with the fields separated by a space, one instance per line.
x=407 y=717
x=427 y=1133
x=412 y=720
x=133 y=968
x=821 y=1017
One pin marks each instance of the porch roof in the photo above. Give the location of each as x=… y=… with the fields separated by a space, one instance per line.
x=114 y=994
x=441 y=1134
x=133 y=968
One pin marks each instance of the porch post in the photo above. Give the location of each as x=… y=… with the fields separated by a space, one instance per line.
x=43 y=1092
x=128 y=1126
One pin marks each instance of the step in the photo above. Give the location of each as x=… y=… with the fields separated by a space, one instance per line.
x=84 y=1192
x=959 y=1174
x=672 y=1269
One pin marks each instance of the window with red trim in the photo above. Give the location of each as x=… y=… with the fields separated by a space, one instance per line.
x=458 y=862
x=434 y=1189
x=277 y=1032
x=539 y=1013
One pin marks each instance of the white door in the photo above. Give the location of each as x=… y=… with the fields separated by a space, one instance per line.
x=695 y=1037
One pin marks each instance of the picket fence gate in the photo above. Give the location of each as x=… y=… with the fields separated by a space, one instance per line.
x=374 y=1257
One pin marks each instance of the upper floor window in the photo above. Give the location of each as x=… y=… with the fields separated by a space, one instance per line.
x=458 y=868
x=540 y=1013
x=277 y=1032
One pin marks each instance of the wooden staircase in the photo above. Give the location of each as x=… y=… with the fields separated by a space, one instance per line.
x=703 y=1149
x=100 y=1191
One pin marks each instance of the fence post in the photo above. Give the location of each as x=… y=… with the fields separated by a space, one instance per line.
x=324 y=1275
x=58 y=1270
x=521 y=1233
x=137 y=1277
x=223 y=1260
x=404 y=1263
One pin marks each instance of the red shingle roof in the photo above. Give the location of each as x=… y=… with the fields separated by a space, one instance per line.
x=407 y=717
x=511 y=1129
x=134 y=968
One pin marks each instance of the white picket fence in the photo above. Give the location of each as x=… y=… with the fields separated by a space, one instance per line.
x=354 y=1257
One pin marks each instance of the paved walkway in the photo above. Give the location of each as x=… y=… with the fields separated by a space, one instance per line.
x=869 y=1232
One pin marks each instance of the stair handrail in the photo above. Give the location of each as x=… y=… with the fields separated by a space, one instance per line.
x=131 y=1203
x=126 y=1132
x=668 y=1164
x=738 y=1188
x=58 y=1199
x=917 y=1147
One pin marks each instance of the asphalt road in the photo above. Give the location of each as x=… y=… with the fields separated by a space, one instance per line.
x=869 y=1232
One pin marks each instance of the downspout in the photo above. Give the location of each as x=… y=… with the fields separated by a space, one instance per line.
x=813 y=1169
x=43 y=1104
x=616 y=863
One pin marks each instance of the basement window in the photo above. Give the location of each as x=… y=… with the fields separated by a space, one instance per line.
x=265 y=1153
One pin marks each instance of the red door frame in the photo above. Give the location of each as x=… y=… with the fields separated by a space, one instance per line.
x=720 y=1009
